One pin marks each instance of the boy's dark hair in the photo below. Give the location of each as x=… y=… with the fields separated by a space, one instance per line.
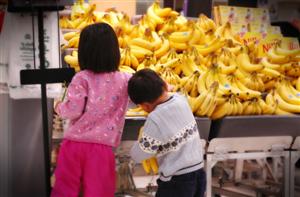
x=98 y=48
x=145 y=86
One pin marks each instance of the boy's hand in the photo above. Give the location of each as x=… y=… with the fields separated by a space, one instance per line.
x=170 y=87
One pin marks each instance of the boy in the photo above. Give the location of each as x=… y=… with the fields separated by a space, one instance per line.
x=171 y=134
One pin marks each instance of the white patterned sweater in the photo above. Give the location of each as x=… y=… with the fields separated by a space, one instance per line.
x=171 y=134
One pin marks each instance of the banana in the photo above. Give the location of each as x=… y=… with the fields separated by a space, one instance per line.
x=126 y=69
x=197 y=36
x=270 y=72
x=69 y=35
x=298 y=84
x=151 y=13
x=221 y=111
x=179 y=46
x=146 y=165
x=142 y=43
x=276 y=58
x=210 y=48
x=243 y=61
x=194 y=90
x=206 y=23
x=286 y=95
x=249 y=108
x=227 y=70
x=164 y=12
x=295 y=92
x=157 y=42
x=188 y=66
x=286 y=52
x=279 y=111
x=201 y=82
x=140 y=52
x=293 y=72
x=134 y=61
x=180 y=37
x=71 y=60
x=72 y=43
x=206 y=105
x=153 y=165
x=266 y=109
x=286 y=106
x=264 y=61
x=163 y=49
x=252 y=93
x=240 y=107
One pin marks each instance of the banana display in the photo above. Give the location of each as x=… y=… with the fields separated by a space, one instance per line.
x=219 y=74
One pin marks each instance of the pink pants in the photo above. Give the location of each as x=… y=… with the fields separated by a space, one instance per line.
x=87 y=165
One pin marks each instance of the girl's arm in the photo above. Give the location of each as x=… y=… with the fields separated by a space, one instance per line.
x=75 y=101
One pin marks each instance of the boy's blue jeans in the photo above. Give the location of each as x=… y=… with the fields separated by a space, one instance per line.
x=192 y=184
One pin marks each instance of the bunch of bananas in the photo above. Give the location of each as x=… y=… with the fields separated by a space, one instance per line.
x=72 y=60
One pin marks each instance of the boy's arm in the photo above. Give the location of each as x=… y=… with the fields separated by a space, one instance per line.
x=146 y=146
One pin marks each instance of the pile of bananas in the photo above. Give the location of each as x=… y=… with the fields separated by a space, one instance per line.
x=219 y=74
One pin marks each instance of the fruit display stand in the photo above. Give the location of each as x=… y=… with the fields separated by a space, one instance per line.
x=251 y=140
x=255 y=126
x=251 y=148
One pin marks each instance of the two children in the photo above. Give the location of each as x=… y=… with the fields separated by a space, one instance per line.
x=96 y=103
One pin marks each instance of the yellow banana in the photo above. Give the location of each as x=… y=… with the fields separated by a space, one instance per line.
x=264 y=61
x=153 y=165
x=69 y=35
x=286 y=52
x=157 y=40
x=146 y=165
x=286 y=95
x=151 y=13
x=221 y=111
x=126 y=69
x=197 y=36
x=164 y=12
x=266 y=109
x=286 y=106
x=163 y=49
x=134 y=61
x=298 y=84
x=201 y=82
x=243 y=61
x=279 y=111
x=276 y=58
x=227 y=70
x=140 y=52
x=270 y=72
x=178 y=46
x=71 y=60
x=210 y=48
x=180 y=37
x=142 y=43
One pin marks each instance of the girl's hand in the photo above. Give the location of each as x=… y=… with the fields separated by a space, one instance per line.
x=55 y=105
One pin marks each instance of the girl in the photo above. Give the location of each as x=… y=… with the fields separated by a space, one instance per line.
x=96 y=103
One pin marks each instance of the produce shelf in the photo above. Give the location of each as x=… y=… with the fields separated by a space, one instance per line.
x=254 y=126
